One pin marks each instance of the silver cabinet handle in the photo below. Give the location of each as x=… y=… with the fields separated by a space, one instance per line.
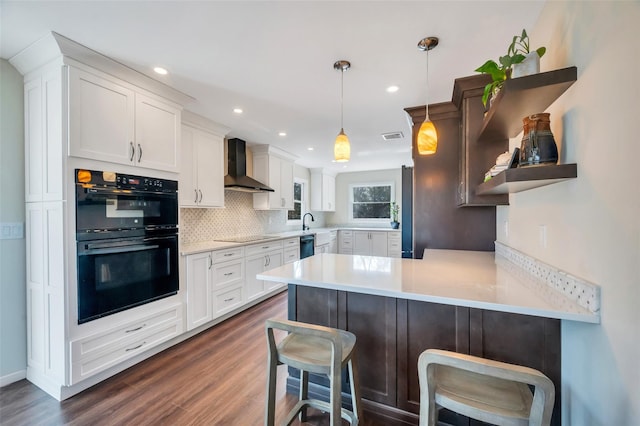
x=228 y=254
x=196 y=199
x=139 y=152
x=136 y=329
x=133 y=151
x=210 y=262
x=200 y=192
x=137 y=347
x=228 y=273
x=229 y=300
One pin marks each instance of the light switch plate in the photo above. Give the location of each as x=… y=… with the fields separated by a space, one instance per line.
x=11 y=230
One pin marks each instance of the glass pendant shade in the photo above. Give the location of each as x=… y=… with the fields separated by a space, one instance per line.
x=342 y=148
x=427 y=138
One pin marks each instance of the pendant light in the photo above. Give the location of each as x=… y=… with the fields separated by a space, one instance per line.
x=341 y=148
x=427 y=139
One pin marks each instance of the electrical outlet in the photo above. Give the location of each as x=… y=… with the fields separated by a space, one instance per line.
x=542 y=236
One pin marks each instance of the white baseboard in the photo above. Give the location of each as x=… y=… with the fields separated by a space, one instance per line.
x=13 y=377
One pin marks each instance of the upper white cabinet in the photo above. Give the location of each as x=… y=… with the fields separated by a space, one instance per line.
x=274 y=168
x=109 y=121
x=202 y=163
x=323 y=191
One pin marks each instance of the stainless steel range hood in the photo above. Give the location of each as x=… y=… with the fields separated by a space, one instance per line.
x=237 y=179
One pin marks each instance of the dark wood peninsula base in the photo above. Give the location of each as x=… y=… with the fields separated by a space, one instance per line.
x=392 y=332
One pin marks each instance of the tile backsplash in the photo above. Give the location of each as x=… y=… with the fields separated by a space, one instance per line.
x=237 y=218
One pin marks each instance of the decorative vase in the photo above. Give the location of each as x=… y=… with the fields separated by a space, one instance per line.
x=538 y=146
x=395 y=225
x=530 y=65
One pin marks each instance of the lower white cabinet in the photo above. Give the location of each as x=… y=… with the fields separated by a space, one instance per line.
x=345 y=242
x=259 y=258
x=370 y=243
x=93 y=354
x=199 y=289
x=394 y=244
x=333 y=242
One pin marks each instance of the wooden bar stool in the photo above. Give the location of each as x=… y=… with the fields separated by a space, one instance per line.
x=482 y=389
x=313 y=349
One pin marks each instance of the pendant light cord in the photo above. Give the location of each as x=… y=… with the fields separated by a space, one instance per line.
x=427 y=91
x=341 y=98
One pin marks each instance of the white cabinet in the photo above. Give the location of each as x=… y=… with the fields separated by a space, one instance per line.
x=394 y=244
x=109 y=121
x=274 y=168
x=333 y=242
x=291 y=247
x=259 y=258
x=323 y=191
x=199 y=289
x=202 y=167
x=214 y=284
x=345 y=242
x=370 y=243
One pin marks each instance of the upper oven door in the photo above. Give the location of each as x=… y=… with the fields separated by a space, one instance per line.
x=102 y=210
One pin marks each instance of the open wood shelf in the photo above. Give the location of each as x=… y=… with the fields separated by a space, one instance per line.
x=521 y=179
x=523 y=96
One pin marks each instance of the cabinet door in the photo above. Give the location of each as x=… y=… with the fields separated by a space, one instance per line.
x=328 y=193
x=379 y=244
x=189 y=196
x=157 y=134
x=274 y=260
x=199 y=290
x=101 y=118
x=286 y=184
x=361 y=243
x=253 y=266
x=210 y=169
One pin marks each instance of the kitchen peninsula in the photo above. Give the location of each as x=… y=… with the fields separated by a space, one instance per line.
x=480 y=303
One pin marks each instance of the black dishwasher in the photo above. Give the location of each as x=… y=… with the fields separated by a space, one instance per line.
x=307 y=243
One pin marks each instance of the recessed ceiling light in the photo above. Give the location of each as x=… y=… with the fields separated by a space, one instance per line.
x=282 y=134
x=310 y=148
x=392 y=89
x=237 y=110
x=161 y=71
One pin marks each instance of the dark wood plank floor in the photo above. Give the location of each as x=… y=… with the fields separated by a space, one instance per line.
x=215 y=378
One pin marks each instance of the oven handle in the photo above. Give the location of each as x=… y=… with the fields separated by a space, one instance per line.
x=122 y=249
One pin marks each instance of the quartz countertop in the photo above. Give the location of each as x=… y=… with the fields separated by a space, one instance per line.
x=454 y=277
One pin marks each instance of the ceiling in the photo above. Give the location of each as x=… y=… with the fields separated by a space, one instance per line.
x=274 y=60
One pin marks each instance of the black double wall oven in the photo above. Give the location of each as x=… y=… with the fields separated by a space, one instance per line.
x=127 y=241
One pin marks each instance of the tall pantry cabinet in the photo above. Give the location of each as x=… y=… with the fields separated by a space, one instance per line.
x=83 y=111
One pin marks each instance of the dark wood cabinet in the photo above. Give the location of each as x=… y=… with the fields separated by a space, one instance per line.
x=392 y=333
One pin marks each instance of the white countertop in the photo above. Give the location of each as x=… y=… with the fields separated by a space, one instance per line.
x=453 y=277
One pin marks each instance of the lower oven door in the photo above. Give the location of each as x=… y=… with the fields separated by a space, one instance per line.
x=114 y=275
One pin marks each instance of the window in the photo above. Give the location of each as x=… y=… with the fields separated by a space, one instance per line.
x=371 y=202
x=298 y=198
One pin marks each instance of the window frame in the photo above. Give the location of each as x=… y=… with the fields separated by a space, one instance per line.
x=392 y=195
x=303 y=195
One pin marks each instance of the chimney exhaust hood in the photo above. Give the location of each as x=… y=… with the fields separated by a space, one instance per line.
x=237 y=179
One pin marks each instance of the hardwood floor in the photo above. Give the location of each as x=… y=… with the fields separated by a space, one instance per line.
x=215 y=378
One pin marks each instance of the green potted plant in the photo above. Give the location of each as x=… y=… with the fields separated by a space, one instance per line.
x=395 y=209
x=501 y=71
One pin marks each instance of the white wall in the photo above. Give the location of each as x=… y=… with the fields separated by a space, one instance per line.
x=343 y=180
x=13 y=326
x=592 y=222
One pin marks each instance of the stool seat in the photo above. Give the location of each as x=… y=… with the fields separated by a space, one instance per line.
x=313 y=349
x=491 y=391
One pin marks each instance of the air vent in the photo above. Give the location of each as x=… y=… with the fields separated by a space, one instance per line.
x=392 y=136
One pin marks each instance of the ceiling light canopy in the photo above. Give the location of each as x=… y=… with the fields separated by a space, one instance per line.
x=161 y=71
x=427 y=139
x=342 y=147
x=237 y=110
x=392 y=89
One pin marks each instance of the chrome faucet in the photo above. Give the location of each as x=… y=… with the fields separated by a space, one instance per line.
x=304 y=226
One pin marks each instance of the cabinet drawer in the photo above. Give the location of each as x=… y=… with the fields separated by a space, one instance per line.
x=228 y=254
x=346 y=243
x=263 y=248
x=394 y=245
x=346 y=234
x=394 y=236
x=227 y=273
x=291 y=242
x=111 y=348
x=291 y=254
x=86 y=346
x=227 y=300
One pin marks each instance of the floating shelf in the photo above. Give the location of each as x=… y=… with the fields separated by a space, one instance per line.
x=521 y=179
x=523 y=96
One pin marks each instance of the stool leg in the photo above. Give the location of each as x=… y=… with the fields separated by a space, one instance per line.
x=355 y=389
x=335 y=401
x=304 y=393
x=272 y=375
